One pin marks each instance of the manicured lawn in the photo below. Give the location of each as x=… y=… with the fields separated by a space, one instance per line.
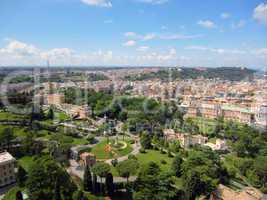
x=10 y=116
x=26 y=162
x=155 y=156
x=101 y=153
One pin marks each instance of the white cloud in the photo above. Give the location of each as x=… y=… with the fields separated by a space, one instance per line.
x=143 y=48
x=206 y=23
x=260 y=13
x=179 y=37
x=98 y=3
x=18 y=48
x=239 y=24
x=108 y=21
x=225 y=15
x=164 y=27
x=153 y=1
x=216 y=50
x=129 y=43
x=130 y=34
x=262 y=52
x=151 y=36
x=57 y=53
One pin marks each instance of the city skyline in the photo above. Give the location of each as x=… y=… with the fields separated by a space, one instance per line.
x=134 y=33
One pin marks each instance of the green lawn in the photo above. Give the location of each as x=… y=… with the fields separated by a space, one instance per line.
x=26 y=162
x=10 y=116
x=155 y=156
x=11 y=194
x=100 y=153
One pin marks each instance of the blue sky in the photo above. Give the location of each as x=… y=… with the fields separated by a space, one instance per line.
x=208 y=33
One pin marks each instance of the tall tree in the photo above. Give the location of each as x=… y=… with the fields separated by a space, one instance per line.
x=50 y=114
x=177 y=165
x=19 y=195
x=127 y=168
x=43 y=175
x=109 y=184
x=21 y=175
x=101 y=169
x=145 y=140
x=87 y=179
x=57 y=190
x=152 y=184
x=6 y=137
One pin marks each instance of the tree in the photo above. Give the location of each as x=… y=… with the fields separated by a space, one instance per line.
x=44 y=174
x=19 y=195
x=110 y=184
x=57 y=191
x=21 y=176
x=177 y=164
x=261 y=168
x=201 y=172
x=87 y=179
x=95 y=188
x=145 y=140
x=77 y=195
x=127 y=168
x=50 y=114
x=6 y=137
x=152 y=184
x=101 y=169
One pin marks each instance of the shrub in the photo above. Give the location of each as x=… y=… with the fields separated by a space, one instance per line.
x=114 y=162
x=142 y=150
x=163 y=162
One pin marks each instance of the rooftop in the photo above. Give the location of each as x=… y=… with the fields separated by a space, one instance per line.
x=6 y=157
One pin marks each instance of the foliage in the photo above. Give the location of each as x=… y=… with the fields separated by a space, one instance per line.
x=151 y=184
x=127 y=168
x=43 y=176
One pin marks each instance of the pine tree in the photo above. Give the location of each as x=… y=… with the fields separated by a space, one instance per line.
x=109 y=184
x=21 y=175
x=57 y=191
x=87 y=179
x=95 y=188
x=19 y=195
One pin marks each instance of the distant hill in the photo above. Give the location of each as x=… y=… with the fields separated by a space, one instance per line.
x=223 y=73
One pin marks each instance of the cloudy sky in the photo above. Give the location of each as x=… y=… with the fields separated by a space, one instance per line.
x=207 y=33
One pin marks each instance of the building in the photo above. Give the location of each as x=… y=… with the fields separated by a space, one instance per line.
x=186 y=140
x=54 y=99
x=7 y=169
x=87 y=159
x=220 y=145
x=225 y=193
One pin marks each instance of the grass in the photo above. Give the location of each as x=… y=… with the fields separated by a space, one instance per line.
x=10 y=116
x=102 y=154
x=155 y=156
x=26 y=162
x=11 y=194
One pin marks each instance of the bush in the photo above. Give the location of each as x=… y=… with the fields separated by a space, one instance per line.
x=142 y=150
x=114 y=162
x=133 y=157
x=163 y=162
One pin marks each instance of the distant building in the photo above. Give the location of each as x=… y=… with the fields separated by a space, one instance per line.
x=87 y=159
x=54 y=99
x=220 y=145
x=7 y=169
x=186 y=140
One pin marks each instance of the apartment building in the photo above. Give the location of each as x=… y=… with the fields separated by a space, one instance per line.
x=7 y=169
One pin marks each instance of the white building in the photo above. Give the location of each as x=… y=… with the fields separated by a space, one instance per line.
x=7 y=169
